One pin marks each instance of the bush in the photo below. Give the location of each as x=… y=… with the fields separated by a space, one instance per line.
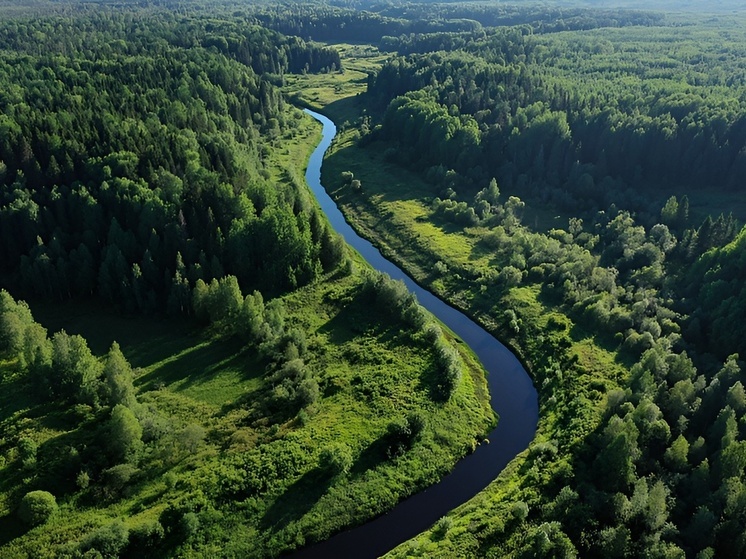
x=401 y=434
x=335 y=458
x=189 y=525
x=118 y=478
x=147 y=535
x=27 y=449
x=109 y=540
x=347 y=177
x=37 y=507
x=441 y=527
x=308 y=392
x=519 y=511
x=448 y=370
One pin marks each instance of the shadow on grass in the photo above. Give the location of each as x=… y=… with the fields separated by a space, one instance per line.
x=379 y=177
x=371 y=456
x=297 y=500
x=144 y=340
x=14 y=397
x=12 y=528
x=362 y=317
x=345 y=109
x=196 y=364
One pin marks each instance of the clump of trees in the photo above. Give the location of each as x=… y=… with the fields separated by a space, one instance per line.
x=402 y=433
x=392 y=296
x=63 y=367
x=649 y=464
x=508 y=105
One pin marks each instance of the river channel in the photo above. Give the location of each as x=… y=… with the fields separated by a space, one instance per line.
x=513 y=397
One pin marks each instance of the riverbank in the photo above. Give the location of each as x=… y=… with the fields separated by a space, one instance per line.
x=512 y=397
x=225 y=450
x=391 y=208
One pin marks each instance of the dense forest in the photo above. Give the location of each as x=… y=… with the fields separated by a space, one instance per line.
x=627 y=306
x=570 y=176
x=243 y=377
x=134 y=168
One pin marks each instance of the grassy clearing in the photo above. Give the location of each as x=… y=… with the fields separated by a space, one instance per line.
x=246 y=470
x=370 y=371
x=334 y=93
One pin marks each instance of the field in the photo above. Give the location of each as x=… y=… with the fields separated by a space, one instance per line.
x=219 y=450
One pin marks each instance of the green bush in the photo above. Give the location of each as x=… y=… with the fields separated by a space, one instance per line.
x=36 y=507
x=401 y=434
x=109 y=540
x=335 y=458
x=145 y=536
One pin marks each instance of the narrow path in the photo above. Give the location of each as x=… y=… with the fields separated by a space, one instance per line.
x=513 y=397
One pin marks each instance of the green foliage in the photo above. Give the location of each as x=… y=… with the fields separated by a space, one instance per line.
x=394 y=297
x=75 y=372
x=209 y=430
x=124 y=434
x=145 y=537
x=442 y=526
x=448 y=370
x=108 y=540
x=118 y=379
x=147 y=162
x=37 y=507
x=402 y=434
x=335 y=459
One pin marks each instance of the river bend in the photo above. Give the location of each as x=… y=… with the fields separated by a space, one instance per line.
x=513 y=397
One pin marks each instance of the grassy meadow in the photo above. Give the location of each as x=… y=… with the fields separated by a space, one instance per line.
x=393 y=208
x=224 y=470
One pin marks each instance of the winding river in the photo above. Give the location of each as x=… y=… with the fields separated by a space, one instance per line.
x=513 y=396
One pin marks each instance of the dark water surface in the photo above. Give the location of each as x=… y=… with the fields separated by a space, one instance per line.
x=513 y=396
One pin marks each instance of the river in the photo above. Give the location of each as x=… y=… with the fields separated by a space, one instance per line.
x=513 y=397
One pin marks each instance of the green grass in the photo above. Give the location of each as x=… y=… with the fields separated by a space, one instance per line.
x=334 y=93
x=394 y=211
x=371 y=372
x=370 y=369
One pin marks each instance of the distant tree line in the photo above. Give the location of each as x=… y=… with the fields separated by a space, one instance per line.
x=537 y=121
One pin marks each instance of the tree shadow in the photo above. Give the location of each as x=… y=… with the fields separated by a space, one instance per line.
x=297 y=500
x=195 y=364
x=361 y=316
x=12 y=528
x=371 y=456
x=345 y=109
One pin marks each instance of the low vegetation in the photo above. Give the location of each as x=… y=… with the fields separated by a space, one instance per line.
x=625 y=314
x=207 y=369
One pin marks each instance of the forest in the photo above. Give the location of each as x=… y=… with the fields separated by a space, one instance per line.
x=192 y=362
x=568 y=174
x=575 y=190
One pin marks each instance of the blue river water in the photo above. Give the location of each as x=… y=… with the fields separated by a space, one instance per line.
x=513 y=397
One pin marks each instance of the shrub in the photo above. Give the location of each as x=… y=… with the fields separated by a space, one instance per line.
x=37 y=507
x=308 y=392
x=448 y=370
x=27 y=449
x=401 y=434
x=519 y=510
x=335 y=458
x=109 y=540
x=145 y=536
x=189 y=524
x=347 y=177
x=441 y=527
